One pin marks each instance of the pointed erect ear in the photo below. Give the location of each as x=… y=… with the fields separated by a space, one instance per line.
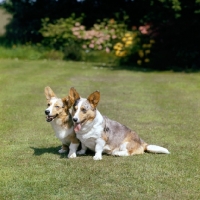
x=66 y=102
x=49 y=93
x=94 y=99
x=73 y=96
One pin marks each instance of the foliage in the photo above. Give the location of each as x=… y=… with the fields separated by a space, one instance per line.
x=29 y=52
x=176 y=35
x=135 y=47
x=128 y=45
x=59 y=35
x=70 y=35
x=102 y=36
x=144 y=52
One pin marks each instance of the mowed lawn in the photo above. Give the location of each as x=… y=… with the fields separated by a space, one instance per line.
x=163 y=107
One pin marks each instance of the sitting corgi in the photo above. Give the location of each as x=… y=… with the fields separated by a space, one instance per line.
x=58 y=114
x=102 y=134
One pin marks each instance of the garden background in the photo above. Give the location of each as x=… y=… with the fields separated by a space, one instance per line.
x=142 y=55
x=156 y=34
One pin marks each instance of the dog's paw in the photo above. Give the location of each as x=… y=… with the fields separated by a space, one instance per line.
x=97 y=157
x=73 y=155
x=120 y=153
x=62 y=151
x=81 y=152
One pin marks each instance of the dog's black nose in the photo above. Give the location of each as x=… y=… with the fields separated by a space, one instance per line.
x=75 y=119
x=47 y=112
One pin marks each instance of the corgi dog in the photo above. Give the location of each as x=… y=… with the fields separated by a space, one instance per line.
x=58 y=115
x=103 y=135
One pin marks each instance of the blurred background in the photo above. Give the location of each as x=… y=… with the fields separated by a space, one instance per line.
x=150 y=34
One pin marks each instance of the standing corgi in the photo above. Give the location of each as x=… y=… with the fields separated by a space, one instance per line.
x=102 y=134
x=58 y=114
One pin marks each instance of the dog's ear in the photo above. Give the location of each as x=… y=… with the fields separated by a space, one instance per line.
x=94 y=99
x=66 y=102
x=73 y=96
x=49 y=93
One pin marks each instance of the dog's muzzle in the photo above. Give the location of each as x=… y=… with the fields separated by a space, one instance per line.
x=49 y=118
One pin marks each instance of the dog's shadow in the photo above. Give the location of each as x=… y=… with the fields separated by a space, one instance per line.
x=50 y=150
x=54 y=150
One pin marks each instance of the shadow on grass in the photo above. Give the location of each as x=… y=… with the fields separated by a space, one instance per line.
x=147 y=69
x=40 y=151
x=54 y=150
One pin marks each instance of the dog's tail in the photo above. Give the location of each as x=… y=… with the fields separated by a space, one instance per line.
x=156 y=149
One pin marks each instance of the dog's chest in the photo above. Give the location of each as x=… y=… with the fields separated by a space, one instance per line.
x=61 y=132
x=89 y=142
x=89 y=138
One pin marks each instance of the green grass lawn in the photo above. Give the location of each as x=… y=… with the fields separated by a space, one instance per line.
x=163 y=107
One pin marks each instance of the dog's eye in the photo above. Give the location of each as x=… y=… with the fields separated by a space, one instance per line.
x=48 y=104
x=83 y=110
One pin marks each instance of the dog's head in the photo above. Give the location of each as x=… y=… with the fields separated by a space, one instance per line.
x=84 y=110
x=55 y=105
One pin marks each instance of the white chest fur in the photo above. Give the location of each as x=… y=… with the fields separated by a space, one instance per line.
x=61 y=132
x=91 y=132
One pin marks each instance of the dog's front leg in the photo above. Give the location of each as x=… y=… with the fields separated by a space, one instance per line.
x=100 y=143
x=72 y=150
x=83 y=149
x=64 y=148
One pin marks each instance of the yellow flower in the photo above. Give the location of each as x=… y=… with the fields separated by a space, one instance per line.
x=145 y=46
x=139 y=62
x=127 y=35
x=152 y=41
x=118 y=46
x=130 y=38
x=117 y=53
x=122 y=53
x=124 y=39
x=149 y=45
x=146 y=60
x=128 y=43
x=147 y=51
x=141 y=53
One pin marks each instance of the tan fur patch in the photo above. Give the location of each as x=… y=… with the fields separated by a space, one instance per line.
x=91 y=115
x=66 y=119
x=65 y=147
x=134 y=145
x=49 y=93
x=57 y=107
x=73 y=139
x=73 y=96
x=104 y=136
x=94 y=99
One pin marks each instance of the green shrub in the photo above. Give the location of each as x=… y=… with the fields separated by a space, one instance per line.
x=29 y=52
x=102 y=36
x=59 y=35
x=71 y=37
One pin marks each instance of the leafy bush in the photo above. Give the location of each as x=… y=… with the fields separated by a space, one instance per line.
x=29 y=52
x=135 y=47
x=102 y=36
x=70 y=36
x=128 y=45
x=59 y=35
